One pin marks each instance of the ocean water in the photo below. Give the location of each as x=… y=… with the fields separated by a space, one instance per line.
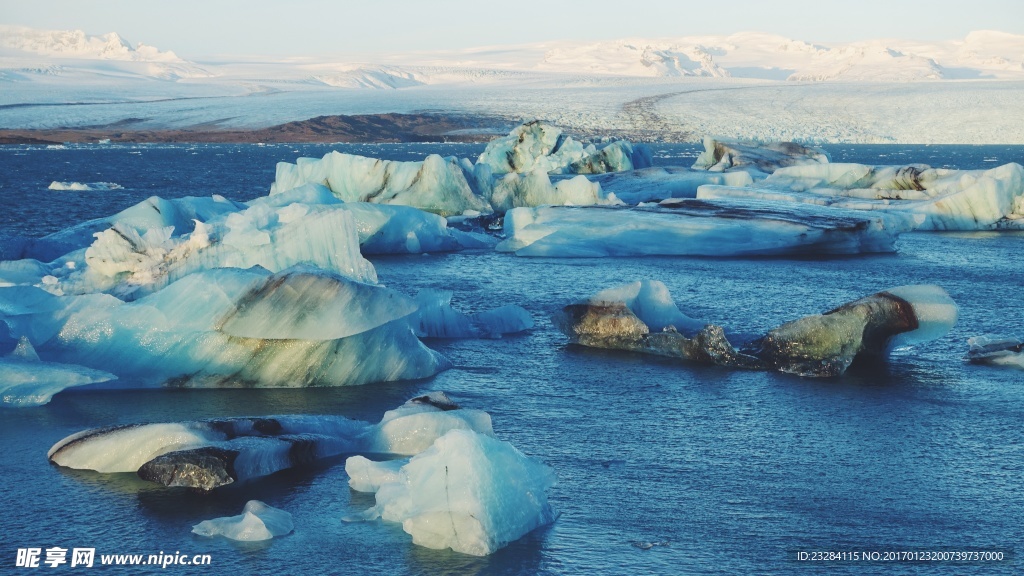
x=663 y=467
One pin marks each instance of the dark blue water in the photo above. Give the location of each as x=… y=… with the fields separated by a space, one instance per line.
x=731 y=470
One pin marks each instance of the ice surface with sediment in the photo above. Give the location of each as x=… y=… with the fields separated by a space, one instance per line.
x=698 y=228
x=935 y=199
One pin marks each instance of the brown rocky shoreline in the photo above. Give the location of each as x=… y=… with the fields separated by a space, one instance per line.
x=369 y=128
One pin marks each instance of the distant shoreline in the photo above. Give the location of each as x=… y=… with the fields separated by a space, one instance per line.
x=369 y=128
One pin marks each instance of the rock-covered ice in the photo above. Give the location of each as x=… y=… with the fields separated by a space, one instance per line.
x=468 y=492
x=207 y=454
x=934 y=199
x=256 y=523
x=697 y=228
x=819 y=345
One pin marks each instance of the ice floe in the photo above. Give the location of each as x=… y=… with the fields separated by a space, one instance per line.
x=996 y=350
x=757 y=157
x=256 y=523
x=819 y=345
x=83 y=186
x=435 y=318
x=25 y=380
x=698 y=228
x=207 y=454
x=468 y=492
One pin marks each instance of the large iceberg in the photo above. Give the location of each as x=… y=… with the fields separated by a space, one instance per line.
x=436 y=184
x=697 y=228
x=540 y=146
x=934 y=199
x=820 y=345
x=231 y=327
x=468 y=492
x=207 y=454
x=759 y=158
x=256 y=523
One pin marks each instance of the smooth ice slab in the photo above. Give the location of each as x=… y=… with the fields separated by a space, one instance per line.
x=468 y=492
x=819 y=345
x=934 y=199
x=662 y=182
x=25 y=380
x=256 y=523
x=697 y=228
x=436 y=318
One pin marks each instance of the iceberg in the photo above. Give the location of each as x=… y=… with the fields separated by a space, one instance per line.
x=996 y=350
x=256 y=523
x=820 y=345
x=208 y=454
x=468 y=492
x=435 y=318
x=689 y=227
x=540 y=146
x=82 y=187
x=759 y=158
x=933 y=199
x=436 y=184
x=515 y=190
x=25 y=380
x=231 y=327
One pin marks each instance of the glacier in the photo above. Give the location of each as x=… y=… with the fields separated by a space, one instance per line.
x=697 y=228
x=208 y=454
x=256 y=523
x=821 y=345
x=934 y=199
x=469 y=492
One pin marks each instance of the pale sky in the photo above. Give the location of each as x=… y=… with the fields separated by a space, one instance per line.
x=197 y=29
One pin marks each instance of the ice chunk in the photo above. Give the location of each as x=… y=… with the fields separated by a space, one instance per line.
x=205 y=330
x=436 y=318
x=540 y=146
x=27 y=381
x=697 y=228
x=935 y=199
x=413 y=427
x=435 y=184
x=765 y=157
x=257 y=522
x=535 y=188
x=663 y=182
x=81 y=187
x=996 y=350
x=817 y=345
x=365 y=475
x=468 y=492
